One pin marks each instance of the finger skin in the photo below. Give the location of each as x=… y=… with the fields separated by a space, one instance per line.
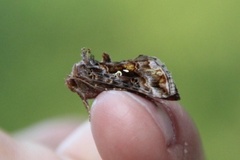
x=49 y=133
x=79 y=145
x=126 y=126
x=36 y=142
x=10 y=149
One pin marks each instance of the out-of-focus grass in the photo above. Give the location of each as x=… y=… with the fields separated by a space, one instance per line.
x=199 y=42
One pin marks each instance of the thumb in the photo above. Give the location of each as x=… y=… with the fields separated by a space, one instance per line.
x=126 y=126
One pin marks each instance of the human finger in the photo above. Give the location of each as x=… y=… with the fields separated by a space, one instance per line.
x=127 y=126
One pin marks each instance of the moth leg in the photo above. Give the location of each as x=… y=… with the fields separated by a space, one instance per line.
x=85 y=102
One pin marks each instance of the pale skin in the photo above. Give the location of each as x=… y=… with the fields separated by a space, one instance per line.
x=123 y=126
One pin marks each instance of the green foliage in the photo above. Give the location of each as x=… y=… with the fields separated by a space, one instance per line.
x=199 y=42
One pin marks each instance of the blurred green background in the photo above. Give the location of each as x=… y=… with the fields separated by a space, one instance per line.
x=198 y=40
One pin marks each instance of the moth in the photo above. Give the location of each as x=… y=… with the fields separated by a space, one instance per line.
x=145 y=75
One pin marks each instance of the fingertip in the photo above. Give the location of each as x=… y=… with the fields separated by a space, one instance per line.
x=127 y=126
x=79 y=145
x=123 y=129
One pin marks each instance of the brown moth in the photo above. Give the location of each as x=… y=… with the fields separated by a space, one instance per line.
x=146 y=76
